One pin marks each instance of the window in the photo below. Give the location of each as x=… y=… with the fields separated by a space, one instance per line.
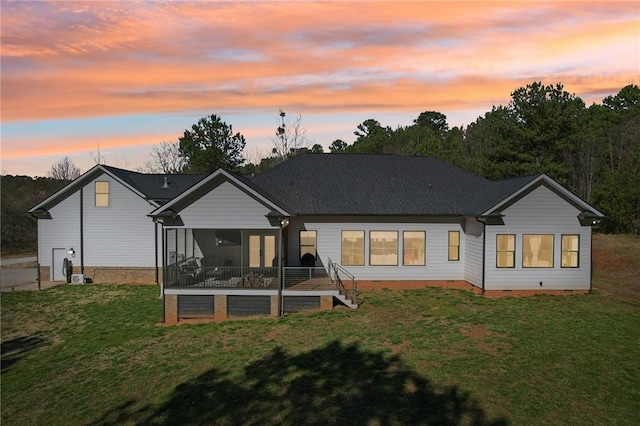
x=570 y=251
x=383 y=248
x=454 y=245
x=353 y=248
x=102 y=194
x=308 y=243
x=537 y=251
x=413 y=248
x=506 y=251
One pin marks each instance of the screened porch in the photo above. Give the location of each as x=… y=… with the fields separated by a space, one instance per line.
x=221 y=258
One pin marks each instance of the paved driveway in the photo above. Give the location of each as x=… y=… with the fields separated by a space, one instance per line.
x=14 y=279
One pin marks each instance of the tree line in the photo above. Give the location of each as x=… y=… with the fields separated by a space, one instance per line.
x=594 y=151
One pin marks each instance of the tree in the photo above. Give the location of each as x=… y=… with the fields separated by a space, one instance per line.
x=538 y=132
x=316 y=149
x=64 y=169
x=210 y=145
x=290 y=137
x=618 y=191
x=434 y=120
x=492 y=145
x=549 y=118
x=338 y=145
x=372 y=137
x=165 y=158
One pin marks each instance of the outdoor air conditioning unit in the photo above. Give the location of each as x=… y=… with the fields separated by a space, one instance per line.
x=77 y=278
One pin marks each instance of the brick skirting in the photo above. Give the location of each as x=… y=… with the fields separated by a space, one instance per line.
x=415 y=284
x=526 y=293
x=462 y=285
x=111 y=275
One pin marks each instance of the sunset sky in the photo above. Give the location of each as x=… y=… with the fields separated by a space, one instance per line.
x=126 y=75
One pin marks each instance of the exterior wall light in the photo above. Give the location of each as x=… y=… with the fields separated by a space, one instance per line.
x=72 y=252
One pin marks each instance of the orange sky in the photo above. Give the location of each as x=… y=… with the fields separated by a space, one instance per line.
x=124 y=75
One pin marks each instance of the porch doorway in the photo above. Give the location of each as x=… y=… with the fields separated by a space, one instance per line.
x=262 y=250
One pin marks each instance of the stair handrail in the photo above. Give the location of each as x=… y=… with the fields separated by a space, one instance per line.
x=337 y=269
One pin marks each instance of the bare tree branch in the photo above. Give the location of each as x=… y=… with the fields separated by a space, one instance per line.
x=64 y=169
x=97 y=158
x=290 y=137
x=165 y=158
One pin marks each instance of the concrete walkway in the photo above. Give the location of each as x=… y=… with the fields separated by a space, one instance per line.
x=21 y=279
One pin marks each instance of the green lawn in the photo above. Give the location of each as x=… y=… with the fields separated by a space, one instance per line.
x=95 y=355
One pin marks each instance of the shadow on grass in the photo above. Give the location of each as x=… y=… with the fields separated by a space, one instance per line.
x=336 y=384
x=16 y=349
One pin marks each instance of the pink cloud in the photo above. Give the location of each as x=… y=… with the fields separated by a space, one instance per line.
x=87 y=59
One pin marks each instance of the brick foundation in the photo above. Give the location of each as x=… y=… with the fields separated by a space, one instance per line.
x=170 y=308
x=416 y=284
x=274 y=305
x=526 y=293
x=326 y=303
x=45 y=274
x=111 y=275
x=220 y=307
x=462 y=285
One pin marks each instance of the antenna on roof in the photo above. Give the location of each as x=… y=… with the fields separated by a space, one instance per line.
x=166 y=183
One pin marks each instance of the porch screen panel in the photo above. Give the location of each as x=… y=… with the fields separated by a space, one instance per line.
x=248 y=305
x=195 y=306
x=269 y=250
x=254 y=251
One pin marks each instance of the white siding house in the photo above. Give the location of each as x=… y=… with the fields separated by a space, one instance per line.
x=107 y=237
x=254 y=243
x=540 y=212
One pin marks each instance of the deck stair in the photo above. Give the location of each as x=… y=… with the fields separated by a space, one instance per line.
x=346 y=284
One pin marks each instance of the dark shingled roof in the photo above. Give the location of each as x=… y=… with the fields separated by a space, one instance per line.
x=373 y=184
x=496 y=191
x=345 y=184
x=151 y=185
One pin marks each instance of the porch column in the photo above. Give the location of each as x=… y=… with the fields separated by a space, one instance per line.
x=280 y=283
x=278 y=219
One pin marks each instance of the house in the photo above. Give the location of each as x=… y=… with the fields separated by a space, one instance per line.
x=304 y=234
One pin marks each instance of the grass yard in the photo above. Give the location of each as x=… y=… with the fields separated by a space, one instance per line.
x=95 y=355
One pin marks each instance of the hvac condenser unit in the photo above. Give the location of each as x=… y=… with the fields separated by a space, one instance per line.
x=77 y=278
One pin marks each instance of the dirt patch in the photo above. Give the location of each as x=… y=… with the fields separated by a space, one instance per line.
x=485 y=340
x=616 y=266
x=271 y=335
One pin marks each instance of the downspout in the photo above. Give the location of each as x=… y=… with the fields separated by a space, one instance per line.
x=81 y=231
x=155 y=229
x=164 y=262
x=38 y=276
x=591 y=261
x=164 y=273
